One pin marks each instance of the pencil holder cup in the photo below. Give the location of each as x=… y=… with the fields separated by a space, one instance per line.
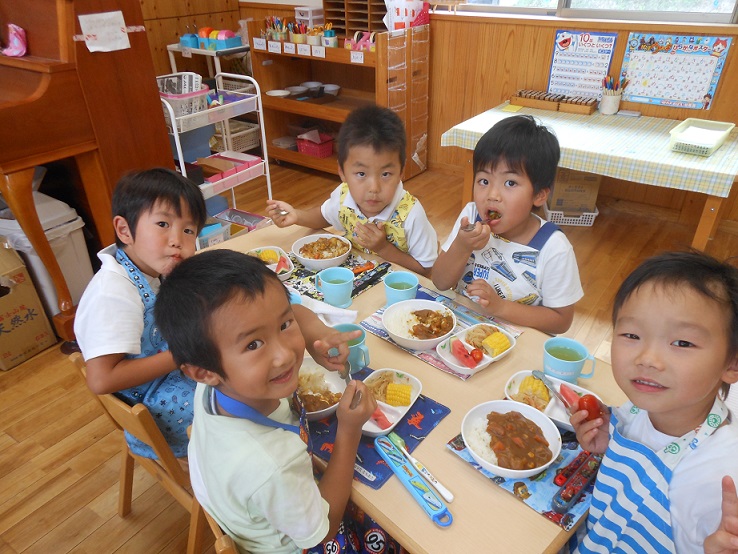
x=279 y=35
x=314 y=40
x=298 y=38
x=610 y=104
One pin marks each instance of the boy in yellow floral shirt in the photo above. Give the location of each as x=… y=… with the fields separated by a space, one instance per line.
x=371 y=205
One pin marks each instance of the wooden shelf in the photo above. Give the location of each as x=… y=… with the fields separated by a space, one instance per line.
x=331 y=111
x=329 y=164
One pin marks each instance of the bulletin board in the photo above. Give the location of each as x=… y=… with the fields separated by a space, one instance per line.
x=673 y=70
x=581 y=59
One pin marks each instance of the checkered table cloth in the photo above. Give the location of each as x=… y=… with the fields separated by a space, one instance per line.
x=630 y=148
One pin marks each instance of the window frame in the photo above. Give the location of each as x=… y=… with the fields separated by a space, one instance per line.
x=564 y=11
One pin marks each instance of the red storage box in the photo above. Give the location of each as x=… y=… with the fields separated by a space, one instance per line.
x=310 y=148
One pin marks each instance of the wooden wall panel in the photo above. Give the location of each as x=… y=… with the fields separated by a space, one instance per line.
x=259 y=11
x=493 y=56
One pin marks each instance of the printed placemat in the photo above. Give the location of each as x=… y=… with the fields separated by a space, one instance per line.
x=538 y=491
x=366 y=274
x=370 y=468
x=465 y=318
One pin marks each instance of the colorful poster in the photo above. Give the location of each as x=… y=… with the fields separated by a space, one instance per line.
x=673 y=70
x=581 y=59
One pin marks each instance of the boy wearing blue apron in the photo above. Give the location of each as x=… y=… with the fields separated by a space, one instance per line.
x=661 y=485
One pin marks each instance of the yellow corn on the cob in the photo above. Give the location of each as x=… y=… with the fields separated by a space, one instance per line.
x=495 y=344
x=399 y=395
x=535 y=387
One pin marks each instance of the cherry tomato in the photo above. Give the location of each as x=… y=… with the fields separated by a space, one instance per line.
x=590 y=403
x=477 y=354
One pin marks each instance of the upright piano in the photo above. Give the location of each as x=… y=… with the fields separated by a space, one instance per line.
x=61 y=101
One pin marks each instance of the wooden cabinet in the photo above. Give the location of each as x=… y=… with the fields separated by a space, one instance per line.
x=395 y=75
x=349 y=16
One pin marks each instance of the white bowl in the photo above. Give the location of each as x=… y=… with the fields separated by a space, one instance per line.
x=333 y=382
x=395 y=320
x=554 y=409
x=282 y=254
x=332 y=89
x=479 y=413
x=318 y=265
x=444 y=351
x=278 y=93
x=297 y=90
x=312 y=86
x=394 y=413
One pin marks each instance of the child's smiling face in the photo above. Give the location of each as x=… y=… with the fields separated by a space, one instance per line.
x=261 y=348
x=372 y=177
x=504 y=198
x=670 y=354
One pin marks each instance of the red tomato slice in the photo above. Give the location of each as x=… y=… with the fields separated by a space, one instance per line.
x=571 y=397
x=461 y=354
x=477 y=354
x=593 y=406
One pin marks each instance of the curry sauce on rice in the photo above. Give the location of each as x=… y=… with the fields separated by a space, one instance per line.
x=324 y=248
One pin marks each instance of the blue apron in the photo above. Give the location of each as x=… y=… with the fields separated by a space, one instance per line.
x=169 y=397
x=630 y=503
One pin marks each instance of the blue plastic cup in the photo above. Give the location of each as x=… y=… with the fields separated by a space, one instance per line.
x=400 y=285
x=336 y=284
x=564 y=359
x=358 y=352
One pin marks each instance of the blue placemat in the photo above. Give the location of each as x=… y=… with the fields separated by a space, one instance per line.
x=303 y=280
x=370 y=468
x=537 y=491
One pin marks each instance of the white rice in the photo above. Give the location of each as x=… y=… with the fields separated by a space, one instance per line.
x=400 y=322
x=478 y=439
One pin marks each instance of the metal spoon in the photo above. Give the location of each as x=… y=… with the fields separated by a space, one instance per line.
x=550 y=386
x=469 y=227
x=282 y=212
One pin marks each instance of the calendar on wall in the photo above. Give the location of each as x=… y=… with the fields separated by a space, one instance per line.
x=581 y=59
x=673 y=70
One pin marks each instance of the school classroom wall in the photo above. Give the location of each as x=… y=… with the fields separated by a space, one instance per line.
x=492 y=57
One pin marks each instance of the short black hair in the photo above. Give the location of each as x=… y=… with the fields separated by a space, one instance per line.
x=194 y=290
x=374 y=126
x=524 y=145
x=704 y=274
x=138 y=192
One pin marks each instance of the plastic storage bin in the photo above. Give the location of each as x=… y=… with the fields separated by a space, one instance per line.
x=64 y=232
x=699 y=136
x=310 y=148
x=585 y=220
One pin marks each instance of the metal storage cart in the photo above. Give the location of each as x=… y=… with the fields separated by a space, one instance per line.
x=191 y=112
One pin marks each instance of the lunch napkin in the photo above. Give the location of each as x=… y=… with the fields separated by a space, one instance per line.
x=330 y=315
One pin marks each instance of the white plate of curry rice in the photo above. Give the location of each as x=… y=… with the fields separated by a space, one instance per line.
x=479 y=441
x=418 y=324
x=319 y=389
x=318 y=252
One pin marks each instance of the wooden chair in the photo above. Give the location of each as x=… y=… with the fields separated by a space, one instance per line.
x=139 y=422
x=224 y=544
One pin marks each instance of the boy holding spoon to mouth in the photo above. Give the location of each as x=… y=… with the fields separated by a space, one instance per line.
x=514 y=264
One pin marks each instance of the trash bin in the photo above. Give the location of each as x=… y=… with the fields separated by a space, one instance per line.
x=63 y=229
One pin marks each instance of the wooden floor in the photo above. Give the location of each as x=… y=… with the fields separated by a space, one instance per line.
x=58 y=463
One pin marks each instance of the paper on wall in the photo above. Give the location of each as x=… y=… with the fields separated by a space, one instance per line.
x=401 y=13
x=104 y=32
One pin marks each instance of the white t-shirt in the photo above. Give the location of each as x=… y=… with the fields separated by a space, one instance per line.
x=695 y=489
x=110 y=315
x=555 y=269
x=256 y=481
x=422 y=240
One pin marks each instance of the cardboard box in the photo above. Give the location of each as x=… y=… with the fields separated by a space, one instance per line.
x=574 y=192
x=24 y=329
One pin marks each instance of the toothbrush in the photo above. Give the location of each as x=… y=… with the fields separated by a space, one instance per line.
x=399 y=443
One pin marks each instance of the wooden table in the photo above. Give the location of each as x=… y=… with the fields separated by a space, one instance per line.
x=486 y=517
x=630 y=148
